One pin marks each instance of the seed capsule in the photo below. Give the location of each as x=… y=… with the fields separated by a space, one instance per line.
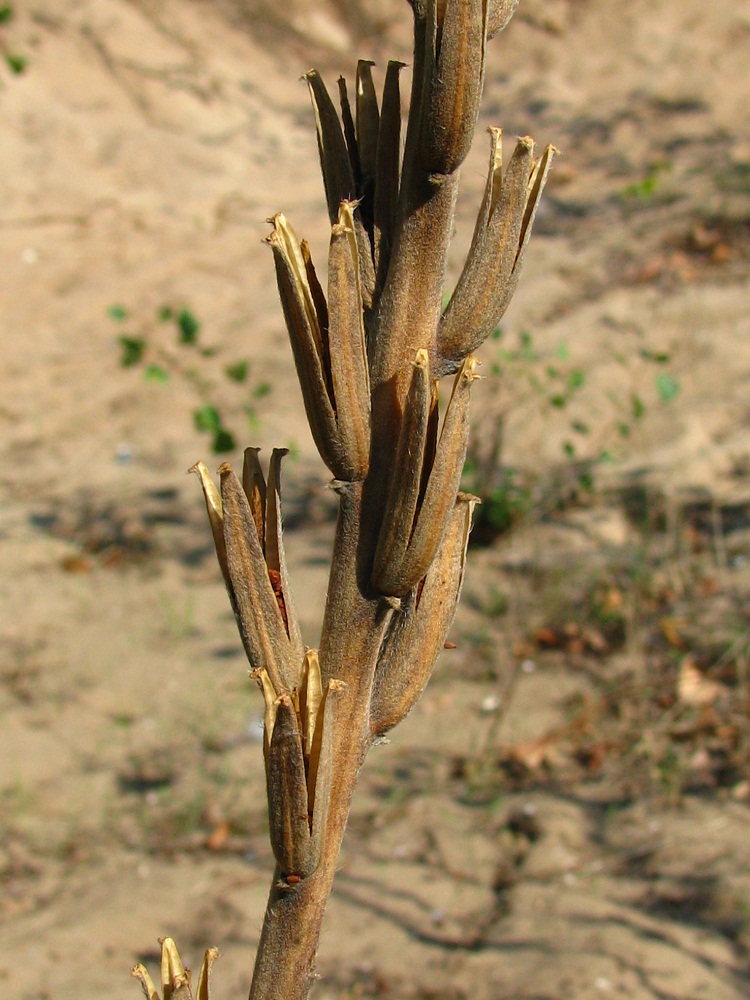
x=493 y=266
x=418 y=629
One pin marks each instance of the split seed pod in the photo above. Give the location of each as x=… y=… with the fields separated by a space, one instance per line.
x=493 y=266
x=387 y=172
x=340 y=163
x=286 y=784
x=401 y=504
x=418 y=630
x=299 y=767
x=412 y=530
x=254 y=567
x=328 y=342
x=175 y=978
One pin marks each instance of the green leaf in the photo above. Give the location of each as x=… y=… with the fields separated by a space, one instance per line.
x=496 y=333
x=660 y=357
x=188 y=326
x=117 y=312
x=569 y=449
x=6 y=13
x=586 y=481
x=132 y=350
x=155 y=373
x=576 y=379
x=16 y=63
x=237 y=371
x=558 y=400
x=223 y=441
x=667 y=387
x=562 y=351
x=527 y=349
x=165 y=314
x=206 y=418
x=580 y=428
x=262 y=389
x=623 y=429
x=637 y=407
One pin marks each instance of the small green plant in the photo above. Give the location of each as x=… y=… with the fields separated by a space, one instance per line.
x=181 y=355
x=645 y=188
x=552 y=382
x=16 y=62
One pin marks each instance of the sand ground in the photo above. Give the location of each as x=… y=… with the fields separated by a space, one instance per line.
x=552 y=820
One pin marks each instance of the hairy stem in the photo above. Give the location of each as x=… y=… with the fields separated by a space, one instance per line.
x=352 y=634
x=291 y=929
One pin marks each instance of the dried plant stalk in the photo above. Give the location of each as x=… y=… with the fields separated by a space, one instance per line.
x=369 y=355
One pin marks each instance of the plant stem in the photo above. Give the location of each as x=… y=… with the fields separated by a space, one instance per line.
x=291 y=929
x=352 y=634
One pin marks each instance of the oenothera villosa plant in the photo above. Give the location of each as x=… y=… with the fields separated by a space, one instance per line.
x=370 y=352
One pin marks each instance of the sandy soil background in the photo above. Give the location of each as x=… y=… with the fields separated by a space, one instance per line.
x=565 y=813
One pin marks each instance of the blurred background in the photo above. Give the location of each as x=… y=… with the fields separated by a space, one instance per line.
x=565 y=812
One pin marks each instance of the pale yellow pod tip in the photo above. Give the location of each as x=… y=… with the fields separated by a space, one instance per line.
x=212 y=495
x=172 y=969
x=140 y=972
x=209 y=958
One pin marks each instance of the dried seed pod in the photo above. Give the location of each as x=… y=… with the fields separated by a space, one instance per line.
x=308 y=328
x=499 y=12
x=443 y=483
x=387 y=172
x=273 y=549
x=350 y=132
x=411 y=537
x=368 y=124
x=418 y=630
x=175 y=978
x=215 y=517
x=492 y=268
x=269 y=701
x=403 y=496
x=336 y=160
x=286 y=784
x=455 y=76
x=259 y=618
x=203 y=991
x=347 y=348
x=310 y=697
x=338 y=177
x=320 y=764
x=331 y=362
x=254 y=485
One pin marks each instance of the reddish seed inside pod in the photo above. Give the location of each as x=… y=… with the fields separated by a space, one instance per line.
x=275 y=577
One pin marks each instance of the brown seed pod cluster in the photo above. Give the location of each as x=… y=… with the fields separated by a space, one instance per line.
x=370 y=351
